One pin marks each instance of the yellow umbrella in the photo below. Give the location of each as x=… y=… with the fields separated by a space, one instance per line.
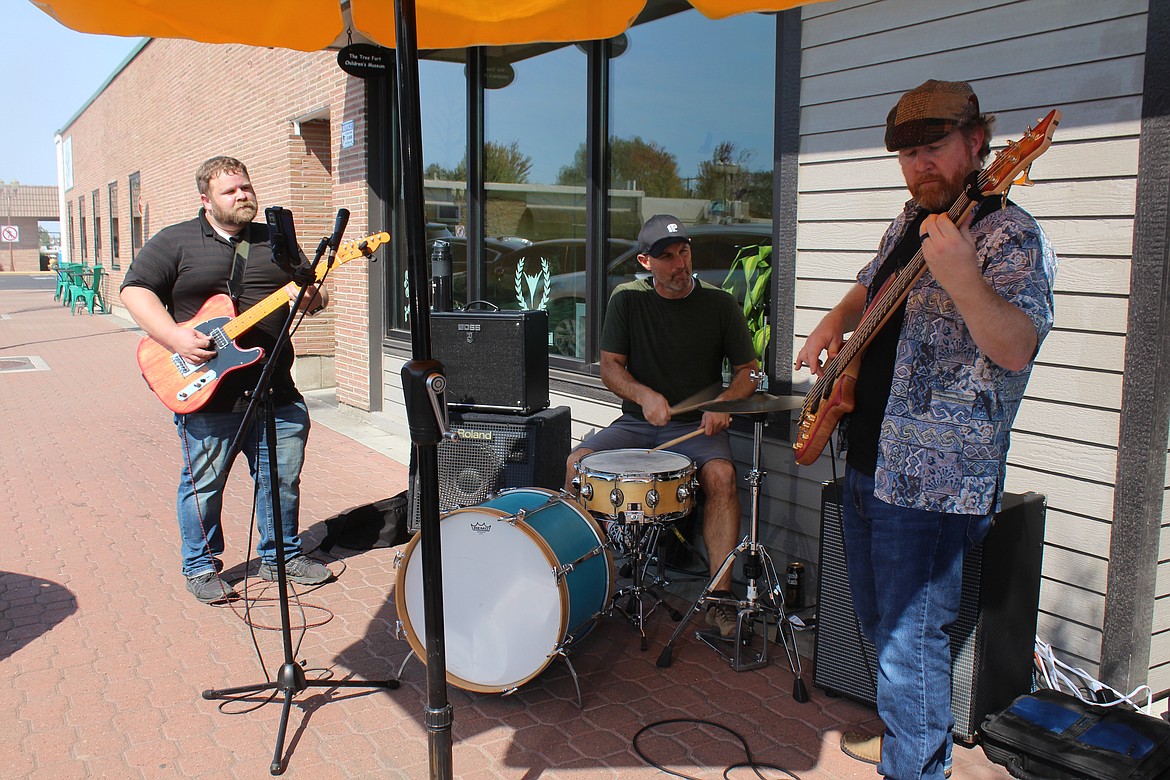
x=311 y=25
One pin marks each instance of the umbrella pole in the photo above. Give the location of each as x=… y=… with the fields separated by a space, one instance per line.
x=425 y=430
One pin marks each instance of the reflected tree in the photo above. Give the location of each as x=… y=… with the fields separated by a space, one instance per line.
x=635 y=164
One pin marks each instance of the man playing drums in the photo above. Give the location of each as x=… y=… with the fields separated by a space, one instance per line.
x=664 y=340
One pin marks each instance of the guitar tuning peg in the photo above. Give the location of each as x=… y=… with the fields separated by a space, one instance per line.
x=1024 y=180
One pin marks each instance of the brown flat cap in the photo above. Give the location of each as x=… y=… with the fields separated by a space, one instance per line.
x=929 y=112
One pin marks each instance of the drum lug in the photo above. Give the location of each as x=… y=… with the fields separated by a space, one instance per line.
x=586 y=491
x=616 y=497
x=399 y=630
x=398 y=557
x=652 y=498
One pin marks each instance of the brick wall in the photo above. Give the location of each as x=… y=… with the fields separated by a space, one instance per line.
x=178 y=103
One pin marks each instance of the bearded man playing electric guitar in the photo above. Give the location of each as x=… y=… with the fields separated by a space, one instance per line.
x=221 y=251
x=935 y=397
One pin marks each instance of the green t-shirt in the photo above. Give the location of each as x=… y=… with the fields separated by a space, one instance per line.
x=675 y=347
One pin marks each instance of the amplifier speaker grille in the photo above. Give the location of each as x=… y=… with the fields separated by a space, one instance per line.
x=992 y=639
x=497 y=451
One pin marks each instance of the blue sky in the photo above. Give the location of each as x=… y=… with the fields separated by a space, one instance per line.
x=50 y=71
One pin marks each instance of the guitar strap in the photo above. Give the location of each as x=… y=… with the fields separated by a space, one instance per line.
x=239 y=263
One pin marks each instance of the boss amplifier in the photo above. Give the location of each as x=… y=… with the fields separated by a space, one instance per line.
x=495 y=361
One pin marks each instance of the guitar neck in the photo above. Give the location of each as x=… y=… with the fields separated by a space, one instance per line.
x=889 y=298
x=244 y=322
x=350 y=250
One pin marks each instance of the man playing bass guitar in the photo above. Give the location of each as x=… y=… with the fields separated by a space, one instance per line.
x=935 y=396
x=222 y=250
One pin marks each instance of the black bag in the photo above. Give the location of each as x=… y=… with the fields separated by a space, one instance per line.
x=380 y=524
x=1051 y=735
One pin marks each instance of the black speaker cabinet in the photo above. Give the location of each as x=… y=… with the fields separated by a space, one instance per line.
x=495 y=361
x=498 y=451
x=991 y=641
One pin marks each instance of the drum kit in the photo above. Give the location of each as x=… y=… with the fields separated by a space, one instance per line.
x=529 y=572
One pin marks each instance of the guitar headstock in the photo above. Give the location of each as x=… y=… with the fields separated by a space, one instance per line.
x=352 y=250
x=1011 y=163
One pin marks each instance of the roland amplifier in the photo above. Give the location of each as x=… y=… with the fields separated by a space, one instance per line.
x=495 y=452
x=991 y=641
x=495 y=361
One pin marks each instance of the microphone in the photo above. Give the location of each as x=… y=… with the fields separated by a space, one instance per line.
x=339 y=228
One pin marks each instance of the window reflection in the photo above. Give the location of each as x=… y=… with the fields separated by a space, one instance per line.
x=535 y=213
x=443 y=116
x=698 y=143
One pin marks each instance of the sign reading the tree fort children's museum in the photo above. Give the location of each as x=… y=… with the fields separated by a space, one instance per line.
x=364 y=60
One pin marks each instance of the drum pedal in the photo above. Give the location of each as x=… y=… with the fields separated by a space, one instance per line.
x=741 y=650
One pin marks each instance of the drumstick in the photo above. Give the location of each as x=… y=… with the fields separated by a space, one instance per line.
x=679 y=440
x=698 y=399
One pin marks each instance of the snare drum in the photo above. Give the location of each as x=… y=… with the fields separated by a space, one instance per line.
x=524 y=575
x=637 y=485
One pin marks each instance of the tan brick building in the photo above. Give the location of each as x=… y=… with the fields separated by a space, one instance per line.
x=22 y=207
x=133 y=150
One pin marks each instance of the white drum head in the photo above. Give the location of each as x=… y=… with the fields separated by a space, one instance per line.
x=634 y=462
x=504 y=610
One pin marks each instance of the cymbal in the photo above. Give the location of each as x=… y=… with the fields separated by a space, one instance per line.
x=756 y=403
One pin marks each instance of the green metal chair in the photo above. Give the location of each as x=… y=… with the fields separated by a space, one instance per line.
x=68 y=274
x=89 y=292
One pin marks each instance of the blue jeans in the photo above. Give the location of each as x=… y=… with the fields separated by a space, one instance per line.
x=906 y=577
x=205 y=439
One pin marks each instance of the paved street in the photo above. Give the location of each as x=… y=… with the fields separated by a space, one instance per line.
x=104 y=653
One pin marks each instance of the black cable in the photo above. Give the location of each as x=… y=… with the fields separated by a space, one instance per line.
x=750 y=762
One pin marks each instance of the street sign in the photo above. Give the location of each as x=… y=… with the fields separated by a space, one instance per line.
x=10 y=234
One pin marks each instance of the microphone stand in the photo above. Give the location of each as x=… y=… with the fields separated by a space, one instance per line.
x=290 y=678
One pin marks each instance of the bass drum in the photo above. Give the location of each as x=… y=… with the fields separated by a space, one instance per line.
x=509 y=604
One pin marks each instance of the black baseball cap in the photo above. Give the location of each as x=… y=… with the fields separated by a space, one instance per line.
x=659 y=232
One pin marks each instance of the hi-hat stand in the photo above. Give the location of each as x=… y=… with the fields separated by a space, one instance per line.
x=764 y=606
x=290 y=678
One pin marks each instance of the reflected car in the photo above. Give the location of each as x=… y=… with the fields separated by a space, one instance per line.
x=530 y=278
x=713 y=250
x=494 y=249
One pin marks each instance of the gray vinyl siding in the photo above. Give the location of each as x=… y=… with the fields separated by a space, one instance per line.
x=1023 y=59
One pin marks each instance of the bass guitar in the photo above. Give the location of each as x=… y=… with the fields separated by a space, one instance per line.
x=832 y=395
x=184 y=387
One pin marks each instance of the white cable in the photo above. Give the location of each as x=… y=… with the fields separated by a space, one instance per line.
x=1053 y=671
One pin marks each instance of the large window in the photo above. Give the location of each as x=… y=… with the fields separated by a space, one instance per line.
x=84 y=254
x=112 y=200
x=135 y=214
x=534 y=157
x=96 y=204
x=698 y=144
x=690 y=113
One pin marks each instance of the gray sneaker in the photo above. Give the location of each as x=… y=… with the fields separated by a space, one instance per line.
x=210 y=589
x=301 y=570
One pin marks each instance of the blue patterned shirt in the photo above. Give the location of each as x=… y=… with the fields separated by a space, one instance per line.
x=944 y=437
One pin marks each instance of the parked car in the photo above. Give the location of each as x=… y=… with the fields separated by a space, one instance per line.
x=714 y=249
x=518 y=276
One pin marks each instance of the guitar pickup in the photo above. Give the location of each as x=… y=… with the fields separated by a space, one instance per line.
x=197 y=385
x=184 y=368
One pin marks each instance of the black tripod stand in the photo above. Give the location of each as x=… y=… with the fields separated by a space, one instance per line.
x=764 y=604
x=290 y=678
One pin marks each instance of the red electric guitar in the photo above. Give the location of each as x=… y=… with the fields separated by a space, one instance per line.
x=832 y=395
x=185 y=388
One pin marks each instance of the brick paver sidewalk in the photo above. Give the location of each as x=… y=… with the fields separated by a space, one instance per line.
x=104 y=654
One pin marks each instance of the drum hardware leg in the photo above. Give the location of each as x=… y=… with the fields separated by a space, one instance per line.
x=573 y=674
x=405 y=661
x=639 y=538
x=759 y=605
